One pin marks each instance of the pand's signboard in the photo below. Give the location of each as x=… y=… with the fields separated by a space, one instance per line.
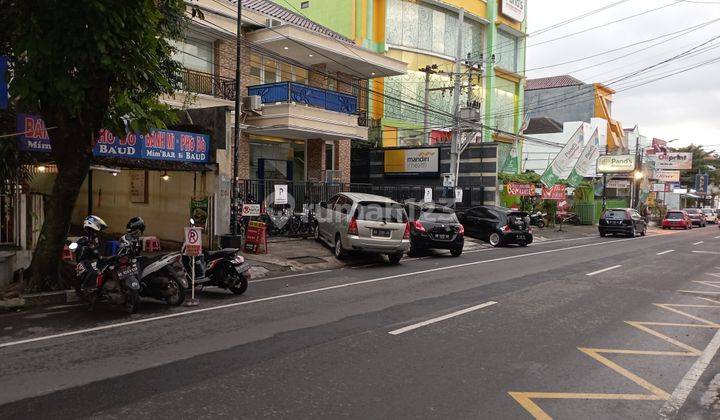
x=178 y=146
x=420 y=161
x=610 y=164
x=514 y=9
x=672 y=160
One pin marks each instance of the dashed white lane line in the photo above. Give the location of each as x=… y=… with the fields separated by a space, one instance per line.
x=699 y=242
x=305 y=292
x=707 y=252
x=441 y=318
x=717 y=237
x=665 y=252
x=603 y=270
x=681 y=392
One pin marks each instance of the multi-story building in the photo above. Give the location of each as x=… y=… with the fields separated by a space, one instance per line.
x=425 y=33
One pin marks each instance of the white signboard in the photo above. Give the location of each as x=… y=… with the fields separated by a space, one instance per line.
x=428 y=195
x=667 y=176
x=680 y=191
x=448 y=180
x=618 y=183
x=458 y=195
x=281 y=194
x=672 y=160
x=609 y=164
x=514 y=9
x=250 y=210
x=658 y=187
x=193 y=241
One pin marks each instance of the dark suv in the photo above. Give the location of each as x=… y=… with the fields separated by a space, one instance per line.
x=434 y=226
x=497 y=225
x=623 y=221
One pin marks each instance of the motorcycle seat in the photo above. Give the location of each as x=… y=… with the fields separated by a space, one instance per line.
x=146 y=261
x=225 y=252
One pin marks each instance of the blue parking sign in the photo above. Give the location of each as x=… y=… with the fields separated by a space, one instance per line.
x=3 y=82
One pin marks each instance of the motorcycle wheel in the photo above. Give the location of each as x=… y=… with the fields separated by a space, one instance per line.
x=239 y=281
x=132 y=302
x=177 y=298
x=541 y=224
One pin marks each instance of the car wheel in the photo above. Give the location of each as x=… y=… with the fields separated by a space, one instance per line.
x=395 y=258
x=523 y=244
x=603 y=234
x=456 y=252
x=495 y=239
x=644 y=231
x=631 y=233
x=316 y=232
x=414 y=249
x=340 y=253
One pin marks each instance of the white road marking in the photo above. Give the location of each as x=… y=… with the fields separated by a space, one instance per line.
x=603 y=270
x=305 y=292
x=441 y=318
x=701 y=292
x=665 y=252
x=698 y=243
x=707 y=252
x=681 y=392
x=717 y=237
x=289 y=275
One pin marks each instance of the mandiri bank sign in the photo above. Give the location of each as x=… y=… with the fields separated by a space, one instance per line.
x=169 y=145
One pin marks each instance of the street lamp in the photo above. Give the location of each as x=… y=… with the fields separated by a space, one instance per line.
x=638 y=175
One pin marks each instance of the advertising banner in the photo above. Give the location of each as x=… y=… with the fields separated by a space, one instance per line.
x=672 y=160
x=409 y=162
x=584 y=167
x=507 y=158
x=667 y=176
x=557 y=192
x=169 y=145
x=618 y=183
x=199 y=210
x=514 y=9
x=610 y=164
x=564 y=161
x=701 y=183
x=520 y=190
x=657 y=187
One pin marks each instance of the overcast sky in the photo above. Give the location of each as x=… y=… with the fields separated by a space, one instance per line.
x=684 y=106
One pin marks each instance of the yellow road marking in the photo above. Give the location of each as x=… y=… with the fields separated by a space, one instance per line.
x=525 y=399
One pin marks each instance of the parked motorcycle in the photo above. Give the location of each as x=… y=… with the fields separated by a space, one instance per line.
x=225 y=268
x=302 y=224
x=112 y=280
x=161 y=276
x=538 y=219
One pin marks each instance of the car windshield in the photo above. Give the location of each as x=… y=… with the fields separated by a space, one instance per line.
x=381 y=212
x=438 y=216
x=615 y=214
x=674 y=215
x=692 y=211
x=708 y=211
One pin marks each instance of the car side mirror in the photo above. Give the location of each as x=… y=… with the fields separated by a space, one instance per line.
x=323 y=204
x=343 y=210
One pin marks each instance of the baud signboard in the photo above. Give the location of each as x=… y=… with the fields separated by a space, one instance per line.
x=408 y=162
x=610 y=164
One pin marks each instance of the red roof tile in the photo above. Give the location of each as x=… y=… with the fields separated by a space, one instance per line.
x=552 y=82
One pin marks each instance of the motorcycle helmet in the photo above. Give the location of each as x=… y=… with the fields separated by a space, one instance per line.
x=93 y=224
x=136 y=224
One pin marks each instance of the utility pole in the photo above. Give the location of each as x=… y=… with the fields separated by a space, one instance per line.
x=638 y=170
x=454 y=155
x=428 y=70
x=236 y=136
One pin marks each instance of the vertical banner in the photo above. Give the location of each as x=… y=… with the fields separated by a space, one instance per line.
x=564 y=161
x=585 y=166
x=199 y=211
x=428 y=195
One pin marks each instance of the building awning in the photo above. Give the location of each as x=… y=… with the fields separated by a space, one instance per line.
x=307 y=47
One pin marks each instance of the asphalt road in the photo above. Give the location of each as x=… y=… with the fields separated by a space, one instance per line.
x=586 y=328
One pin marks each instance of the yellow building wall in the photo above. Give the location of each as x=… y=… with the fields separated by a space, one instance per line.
x=390 y=136
x=476 y=7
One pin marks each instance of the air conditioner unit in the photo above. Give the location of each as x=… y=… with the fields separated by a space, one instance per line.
x=271 y=23
x=252 y=103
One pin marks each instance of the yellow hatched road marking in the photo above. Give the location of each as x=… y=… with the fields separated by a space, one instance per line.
x=525 y=399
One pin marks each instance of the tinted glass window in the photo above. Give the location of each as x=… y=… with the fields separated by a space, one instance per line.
x=692 y=211
x=436 y=216
x=615 y=214
x=379 y=212
x=674 y=215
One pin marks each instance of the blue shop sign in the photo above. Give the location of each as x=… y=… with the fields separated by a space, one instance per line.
x=3 y=82
x=168 y=145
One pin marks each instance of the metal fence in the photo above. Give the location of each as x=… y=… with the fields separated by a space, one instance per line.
x=304 y=94
x=312 y=193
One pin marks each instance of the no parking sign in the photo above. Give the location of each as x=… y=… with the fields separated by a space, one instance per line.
x=193 y=241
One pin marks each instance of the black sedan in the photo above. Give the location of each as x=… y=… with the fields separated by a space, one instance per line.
x=434 y=226
x=622 y=221
x=497 y=225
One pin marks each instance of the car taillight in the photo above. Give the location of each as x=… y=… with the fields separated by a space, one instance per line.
x=506 y=228
x=99 y=280
x=419 y=226
x=461 y=230
x=407 y=231
x=353 y=227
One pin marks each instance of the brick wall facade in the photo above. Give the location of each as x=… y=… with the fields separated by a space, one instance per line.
x=343 y=149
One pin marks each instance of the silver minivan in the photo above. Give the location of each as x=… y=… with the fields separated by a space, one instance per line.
x=363 y=222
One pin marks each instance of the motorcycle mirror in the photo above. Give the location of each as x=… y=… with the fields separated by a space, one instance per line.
x=73 y=246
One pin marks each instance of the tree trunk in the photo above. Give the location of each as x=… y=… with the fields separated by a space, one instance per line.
x=73 y=167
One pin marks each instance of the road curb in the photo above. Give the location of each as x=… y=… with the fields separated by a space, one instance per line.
x=40 y=299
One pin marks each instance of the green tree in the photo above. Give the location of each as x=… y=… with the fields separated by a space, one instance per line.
x=703 y=162
x=86 y=65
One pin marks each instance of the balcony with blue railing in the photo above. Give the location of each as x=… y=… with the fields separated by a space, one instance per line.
x=291 y=92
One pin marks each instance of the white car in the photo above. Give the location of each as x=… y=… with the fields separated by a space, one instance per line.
x=710 y=216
